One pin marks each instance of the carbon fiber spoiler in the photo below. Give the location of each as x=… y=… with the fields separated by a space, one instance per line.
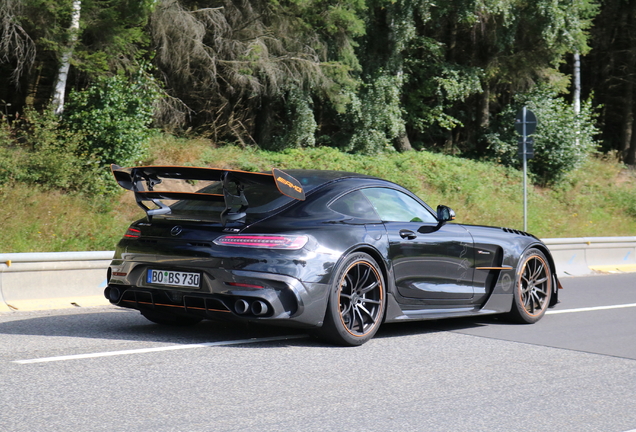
x=142 y=181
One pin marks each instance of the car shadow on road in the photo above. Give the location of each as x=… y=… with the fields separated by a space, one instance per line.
x=412 y=328
x=129 y=325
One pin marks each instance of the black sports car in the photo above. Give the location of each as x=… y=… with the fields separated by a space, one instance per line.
x=334 y=251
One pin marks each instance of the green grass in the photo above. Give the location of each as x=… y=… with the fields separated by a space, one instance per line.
x=597 y=200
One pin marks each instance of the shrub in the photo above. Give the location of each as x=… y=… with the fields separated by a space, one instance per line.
x=300 y=126
x=562 y=140
x=113 y=116
x=375 y=116
x=36 y=150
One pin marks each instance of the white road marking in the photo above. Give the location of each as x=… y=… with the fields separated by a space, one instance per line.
x=158 y=349
x=588 y=309
x=251 y=341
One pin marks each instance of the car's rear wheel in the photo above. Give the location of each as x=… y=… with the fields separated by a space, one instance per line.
x=356 y=302
x=533 y=288
x=170 y=319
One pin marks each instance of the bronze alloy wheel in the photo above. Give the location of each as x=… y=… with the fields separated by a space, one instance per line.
x=360 y=298
x=534 y=288
x=356 y=303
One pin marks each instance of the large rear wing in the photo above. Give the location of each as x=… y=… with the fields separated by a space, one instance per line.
x=142 y=181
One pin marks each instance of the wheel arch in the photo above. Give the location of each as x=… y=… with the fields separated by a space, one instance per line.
x=377 y=256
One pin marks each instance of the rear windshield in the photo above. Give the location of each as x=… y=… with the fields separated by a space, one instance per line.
x=261 y=201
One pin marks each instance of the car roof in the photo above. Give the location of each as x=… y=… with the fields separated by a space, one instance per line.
x=311 y=179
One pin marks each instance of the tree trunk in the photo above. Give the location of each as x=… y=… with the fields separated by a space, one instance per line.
x=627 y=138
x=630 y=157
x=577 y=83
x=59 y=88
x=264 y=123
x=577 y=93
x=484 y=108
x=450 y=55
x=628 y=124
x=402 y=143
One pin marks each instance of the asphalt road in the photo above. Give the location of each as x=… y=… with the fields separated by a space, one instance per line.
x=106 y=369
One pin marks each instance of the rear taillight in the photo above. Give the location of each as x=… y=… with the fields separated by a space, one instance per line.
x=132 y=233
x=262 y=241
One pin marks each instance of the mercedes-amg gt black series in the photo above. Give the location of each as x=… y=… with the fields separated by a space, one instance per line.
x=336 y=252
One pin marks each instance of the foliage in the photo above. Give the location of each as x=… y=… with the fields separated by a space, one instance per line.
x=37 y=151
x=360 y=75
x=38 y=220
x=107 y=123
x=562 y=140
x=433 y=105
x=609 y=70
x=16 y=46
x=112 y=38
x=233 y=63
x=299 y=125
x=374 y=116
x=113 y=118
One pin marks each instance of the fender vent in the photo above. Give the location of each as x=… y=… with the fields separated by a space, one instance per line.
x=514 y=231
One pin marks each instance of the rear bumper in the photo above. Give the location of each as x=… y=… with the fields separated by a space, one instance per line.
x=281 y=300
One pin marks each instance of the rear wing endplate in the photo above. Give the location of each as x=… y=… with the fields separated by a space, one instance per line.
x=142 y=181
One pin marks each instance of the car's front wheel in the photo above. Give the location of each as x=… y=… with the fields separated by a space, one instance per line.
x=356 y=301
x=533 y=288
x=169 y=319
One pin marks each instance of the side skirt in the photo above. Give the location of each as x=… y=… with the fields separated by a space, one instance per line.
x=498 y=303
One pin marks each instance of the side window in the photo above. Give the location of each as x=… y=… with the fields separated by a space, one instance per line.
x=356 y=205
x=395 y=206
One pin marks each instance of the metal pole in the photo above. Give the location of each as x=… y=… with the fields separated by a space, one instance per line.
x=525 y=170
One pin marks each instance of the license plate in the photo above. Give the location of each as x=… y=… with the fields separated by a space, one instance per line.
x=174 y=278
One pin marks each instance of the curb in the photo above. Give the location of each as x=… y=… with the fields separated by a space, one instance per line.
x=53 y=303
x=614 y=269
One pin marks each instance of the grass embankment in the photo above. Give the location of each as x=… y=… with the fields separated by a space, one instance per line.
x=596 y=200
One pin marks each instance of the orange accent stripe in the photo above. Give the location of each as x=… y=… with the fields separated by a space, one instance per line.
x=493 y=268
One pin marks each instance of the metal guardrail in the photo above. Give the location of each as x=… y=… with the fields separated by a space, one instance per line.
x=586 y=255
x=51 y=257
x=59 y=279
x=49 y=280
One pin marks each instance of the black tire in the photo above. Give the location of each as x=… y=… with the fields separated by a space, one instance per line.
x=356 y=302
x=533 y=288
x=170 y=319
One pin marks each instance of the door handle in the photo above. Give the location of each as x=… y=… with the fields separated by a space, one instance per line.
x=408 y=234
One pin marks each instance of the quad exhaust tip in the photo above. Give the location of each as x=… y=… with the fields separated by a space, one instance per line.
x=257 y=307
x=112 y=294
x=241 y=307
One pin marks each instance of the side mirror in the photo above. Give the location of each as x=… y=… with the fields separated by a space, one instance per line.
x=445 y=214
